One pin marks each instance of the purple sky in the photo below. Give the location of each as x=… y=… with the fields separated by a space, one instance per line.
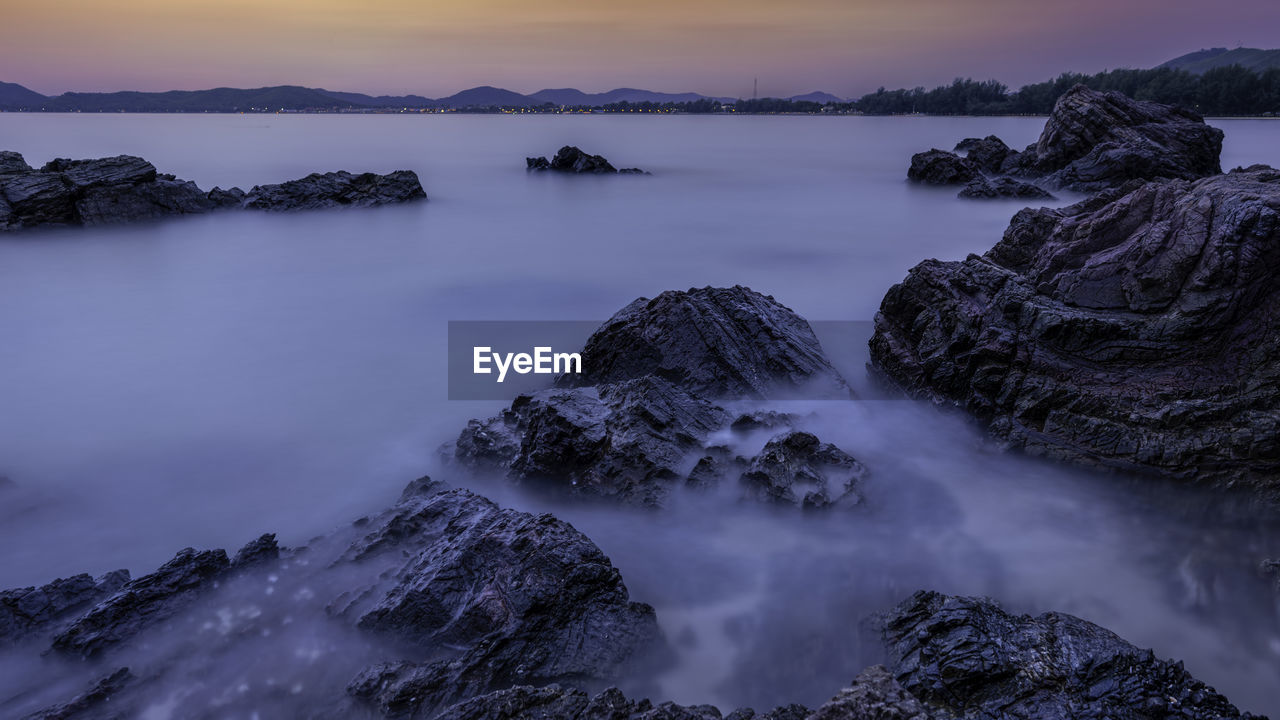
x=716 y=47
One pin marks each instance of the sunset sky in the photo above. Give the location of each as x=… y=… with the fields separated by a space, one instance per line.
x=716 y=47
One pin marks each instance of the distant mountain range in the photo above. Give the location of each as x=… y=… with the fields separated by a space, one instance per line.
x=293 y=97
x=1203 y=60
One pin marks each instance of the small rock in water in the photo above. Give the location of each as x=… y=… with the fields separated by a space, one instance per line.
x=570 y=159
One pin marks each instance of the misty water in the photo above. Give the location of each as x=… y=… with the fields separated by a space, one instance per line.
x=201 y=381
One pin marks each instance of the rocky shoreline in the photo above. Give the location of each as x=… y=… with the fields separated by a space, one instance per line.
x=489 y=612
x=126 y=189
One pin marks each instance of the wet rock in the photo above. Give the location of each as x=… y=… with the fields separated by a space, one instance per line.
x=714 y=467
x=986 y=154
x=514 y=598
x=32 y=610
x=715 y=342
x=336 y=189
x=562 y=703
x=1096 y=140
x=990 y=188
x=939 y=167
x=873 y=695
x=143 y=602
x=125 y=189
x=96 y=702
x=256 y=552
x=627 y=441
x=798 y=469
x=1135 y=330
x=763 y=420
x=968 y=658
x=231 y=198
x=570 y=159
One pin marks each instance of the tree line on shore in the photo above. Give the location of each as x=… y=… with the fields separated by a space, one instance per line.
x=1231 y=90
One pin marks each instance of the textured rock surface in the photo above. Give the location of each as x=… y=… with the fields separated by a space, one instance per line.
x=570 y=159
x=990 y=188
x=143 y=602
x=336 y=189
x=95 y=702
x=1137 y=329
x=798 y=469
x=31 y=610
x=874 y=695
x=988 y=154
x=627 y=441
x=511 y=598
x=1096 y=140
x=714 y=342
x=124 y=189
x=939 y=167
x=968 y=658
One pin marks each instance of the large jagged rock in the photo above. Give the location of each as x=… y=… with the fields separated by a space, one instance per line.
x=510 y=598
x=968 y=658
x=28 y=611
x=939 y=167
x=143 y=602
x=715 y=342
x=1139 y=329
x=125 y=189
x=627 y=441
x=1095 y=140
x=874 y=695
x=336 y=189
x=570 y=159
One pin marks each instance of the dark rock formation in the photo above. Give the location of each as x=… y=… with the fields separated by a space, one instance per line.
x=336 y=189
x=798 y=469
x=626 y=440
x=511 y=598
x=715 y=342
x=1096 y=140
x=94 y=702
x=990 y=188
x=31 y=610
x=1092 y=141
x=987 y=154
x=874 y=695
x=126 y=189
x=1137 y=329
x=570 y=159
x=263 y=550
x=939 y=167
x=143 y=602
x=968 y=658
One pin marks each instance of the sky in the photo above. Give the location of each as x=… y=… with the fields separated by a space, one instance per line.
x=715 y=47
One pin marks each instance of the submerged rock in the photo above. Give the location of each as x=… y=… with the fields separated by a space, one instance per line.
x=990 y=188
x=968 y=658
x=627 y=441
x=124 y=189
x=939 y=167
x=1134 y=330
x=570 y=159
x=798 y=469
x=94 y=702
x=514 y=598
x=716 y=342
x=31 y=610
x=336 y=189
x=1095 y=140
